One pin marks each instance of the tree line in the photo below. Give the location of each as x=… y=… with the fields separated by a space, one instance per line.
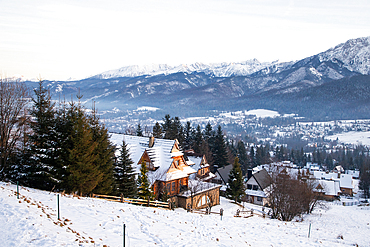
x=63 y=146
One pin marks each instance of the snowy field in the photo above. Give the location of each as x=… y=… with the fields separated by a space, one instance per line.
x=353 y=137
x=32 y=221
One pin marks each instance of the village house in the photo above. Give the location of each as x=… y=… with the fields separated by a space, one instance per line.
x=222 y=175
x=168 y=172
x=257 y=187
x=345 y=181
x=327 y=189
x=199 y=163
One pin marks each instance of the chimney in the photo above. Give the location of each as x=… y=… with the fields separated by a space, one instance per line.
x=249 y=173
x=151 y=141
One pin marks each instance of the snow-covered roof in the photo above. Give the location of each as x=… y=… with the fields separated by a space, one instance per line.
x=161 y=155
x=194 y=161
x=353 y=173
x=345 y=180
x=330 y=187
x=198 y=186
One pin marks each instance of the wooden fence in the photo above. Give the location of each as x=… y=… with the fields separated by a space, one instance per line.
x=143 y=202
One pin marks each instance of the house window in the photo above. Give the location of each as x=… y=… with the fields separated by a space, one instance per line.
x=173 y=186
x=203 y=201
x=255 y=187
x=168 y=188
x=259 y=199
x=249 y=186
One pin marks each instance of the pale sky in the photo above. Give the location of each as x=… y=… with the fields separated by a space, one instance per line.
x=57 y=40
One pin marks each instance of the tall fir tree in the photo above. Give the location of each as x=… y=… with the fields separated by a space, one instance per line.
x=83 y=174
x=44 y=166
x=220 y=152
x=167 y=126
x=105 y=156
x=139 y=131
x=124 y=174
x=364 y=183
x=197 y=139
x=187 y=136
x=243 y=156
x=157 y=131
x=235 y=188
x=144 y=190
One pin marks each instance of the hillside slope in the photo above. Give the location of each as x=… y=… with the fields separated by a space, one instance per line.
x=32 y=221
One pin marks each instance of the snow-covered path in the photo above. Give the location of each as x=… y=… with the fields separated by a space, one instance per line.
x=32 y=221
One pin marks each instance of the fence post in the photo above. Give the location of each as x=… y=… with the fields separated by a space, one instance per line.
x=309 y=231
x=58 y=207
x=17 y=191
x=124 y=233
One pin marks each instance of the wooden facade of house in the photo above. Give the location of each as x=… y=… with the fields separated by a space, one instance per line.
x=199 y=163
x=206 y=195
x=168 y=171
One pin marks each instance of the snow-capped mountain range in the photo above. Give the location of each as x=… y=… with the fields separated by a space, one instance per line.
x=214 y=69
x=354 y=54
x=315 y=87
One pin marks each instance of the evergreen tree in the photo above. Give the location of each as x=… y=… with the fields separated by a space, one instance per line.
x=235 y=188
x=125 y=174
x=105 y=157
x=243 y=157
x=364 y=183
x=167 y=126
x=197 y=137
x=187 y=136
x=252 y=154
x=209 y=135
x=220 y=153
x=44 y=165
x=83 y=174
x=139 y=131
x=144 y=190
x=157 y=131
x=177 y=131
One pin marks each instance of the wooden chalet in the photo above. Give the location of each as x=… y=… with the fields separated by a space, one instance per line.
x=199 y=163
x=168 y=171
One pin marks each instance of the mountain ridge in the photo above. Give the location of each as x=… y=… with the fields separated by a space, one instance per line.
x=198 y=88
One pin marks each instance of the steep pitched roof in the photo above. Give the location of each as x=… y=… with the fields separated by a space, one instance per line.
x=224 y=172
x=161 y=155
x=262 y=178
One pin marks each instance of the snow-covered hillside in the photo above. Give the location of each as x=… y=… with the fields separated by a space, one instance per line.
x=215 y=69
x=32 y=221
x=355 y=54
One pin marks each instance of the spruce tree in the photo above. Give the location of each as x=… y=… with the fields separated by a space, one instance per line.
x=144 y=190
x=104 y=152
x=139 y=131
x=197 y=137
x=167 y=126
x=364 y=183
x=187 y=136
x=124 y=174
x=235 y=188
x=220 y=152
x=83 y=174
x=157 y=131
x=243 y=157
x=44 y=165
